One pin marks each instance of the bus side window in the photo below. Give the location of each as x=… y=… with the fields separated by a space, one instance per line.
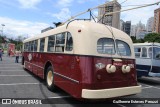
x=144 y=52
x=150 y=52
x=26 y=47
x=25 y=44
x=42 y=42
x=35 y=45
x=69 y=42
x=29 y=46
x=137 y=51
x=51 y=42
x=32 y=46
x=60 y=41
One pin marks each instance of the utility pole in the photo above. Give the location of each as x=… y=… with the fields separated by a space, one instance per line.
x=2 y=28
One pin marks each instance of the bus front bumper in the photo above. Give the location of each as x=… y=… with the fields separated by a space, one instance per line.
x=110 y=93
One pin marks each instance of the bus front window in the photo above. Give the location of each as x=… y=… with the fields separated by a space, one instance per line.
x=156 y=53
x=105 y=46
x=123 y=48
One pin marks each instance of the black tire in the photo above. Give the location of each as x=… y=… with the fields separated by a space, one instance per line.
x=50 y=79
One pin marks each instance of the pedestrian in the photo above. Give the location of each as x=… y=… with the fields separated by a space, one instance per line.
x=9 y=54
x=17 y=56
x=1 y=52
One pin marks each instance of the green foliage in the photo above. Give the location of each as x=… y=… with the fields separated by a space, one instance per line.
x=137 y=40
x=152 y=37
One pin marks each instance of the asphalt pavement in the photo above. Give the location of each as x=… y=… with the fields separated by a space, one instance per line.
x=19 y=84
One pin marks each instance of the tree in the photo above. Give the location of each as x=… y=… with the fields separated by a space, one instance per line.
x=152 y=37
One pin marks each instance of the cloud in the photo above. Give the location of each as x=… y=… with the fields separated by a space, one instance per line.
x=84 y=1
x=27 y=4
x=64 y=3
x=20 y=27
x=63 y=15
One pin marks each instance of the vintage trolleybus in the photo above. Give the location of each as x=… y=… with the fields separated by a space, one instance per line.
x=86 y=59
x=147 y=59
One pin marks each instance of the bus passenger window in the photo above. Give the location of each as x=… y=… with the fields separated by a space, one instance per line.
x=25 y=47
x=35 y=46
x=29 y=46
x=150 y=52
x=32 y=46
x=137 y=51
x=51 y=41
x=69 y=42
x=106 y=46
x=144 y=52
x=42 y=42
x=60 y=40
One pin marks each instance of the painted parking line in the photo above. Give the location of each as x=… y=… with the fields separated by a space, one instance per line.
x=9 y=67
x=147 y=87
x=15 y=75
x=20 y=84
x=11 y=70
x=121 y=105
x=59 y=97
x=152 y=86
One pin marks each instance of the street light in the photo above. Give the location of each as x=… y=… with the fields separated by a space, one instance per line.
x=2 y=28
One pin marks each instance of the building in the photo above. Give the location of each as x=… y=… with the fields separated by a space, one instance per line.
x=156 y=27
x=121 y=25
x=140 y=28
x=150 y=23
x=141 y=34
x=133 y=30
x=113 y=19
x=127 y=27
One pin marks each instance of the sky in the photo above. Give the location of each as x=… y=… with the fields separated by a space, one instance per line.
x=28 y=17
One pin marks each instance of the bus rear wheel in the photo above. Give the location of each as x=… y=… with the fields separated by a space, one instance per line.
x=50 y=79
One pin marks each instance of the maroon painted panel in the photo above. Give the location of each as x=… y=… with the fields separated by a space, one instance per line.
x=75 y=72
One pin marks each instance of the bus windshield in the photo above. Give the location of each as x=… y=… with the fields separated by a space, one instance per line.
x=105 y=46
x=156 y=53
x=123 y=48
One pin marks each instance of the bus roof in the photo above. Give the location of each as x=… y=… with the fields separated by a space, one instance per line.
x=146 y=44
x=84 y=26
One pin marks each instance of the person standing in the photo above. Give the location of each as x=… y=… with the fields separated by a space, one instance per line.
x=17 y=56
x=1 y=52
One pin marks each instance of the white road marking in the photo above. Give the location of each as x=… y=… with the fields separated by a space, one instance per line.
x=121 y=105
x=152 y=86
x=59 y=97
x=8 y=67
x=20 y=84
x=15 y=75
x=11 y=70
x=147 y=87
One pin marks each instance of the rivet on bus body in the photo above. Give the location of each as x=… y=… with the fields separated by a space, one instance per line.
x=99 y=77
x=111 y=68
x=79 y=30
x=77 y=59
x=126 y=69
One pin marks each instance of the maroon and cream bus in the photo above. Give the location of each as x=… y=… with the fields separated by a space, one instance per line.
x=86 y=59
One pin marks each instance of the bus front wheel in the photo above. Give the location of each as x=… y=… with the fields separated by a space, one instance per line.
x=50 y=79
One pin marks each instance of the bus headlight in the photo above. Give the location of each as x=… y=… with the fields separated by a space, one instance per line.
x=126 y=69
x=111 y=68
